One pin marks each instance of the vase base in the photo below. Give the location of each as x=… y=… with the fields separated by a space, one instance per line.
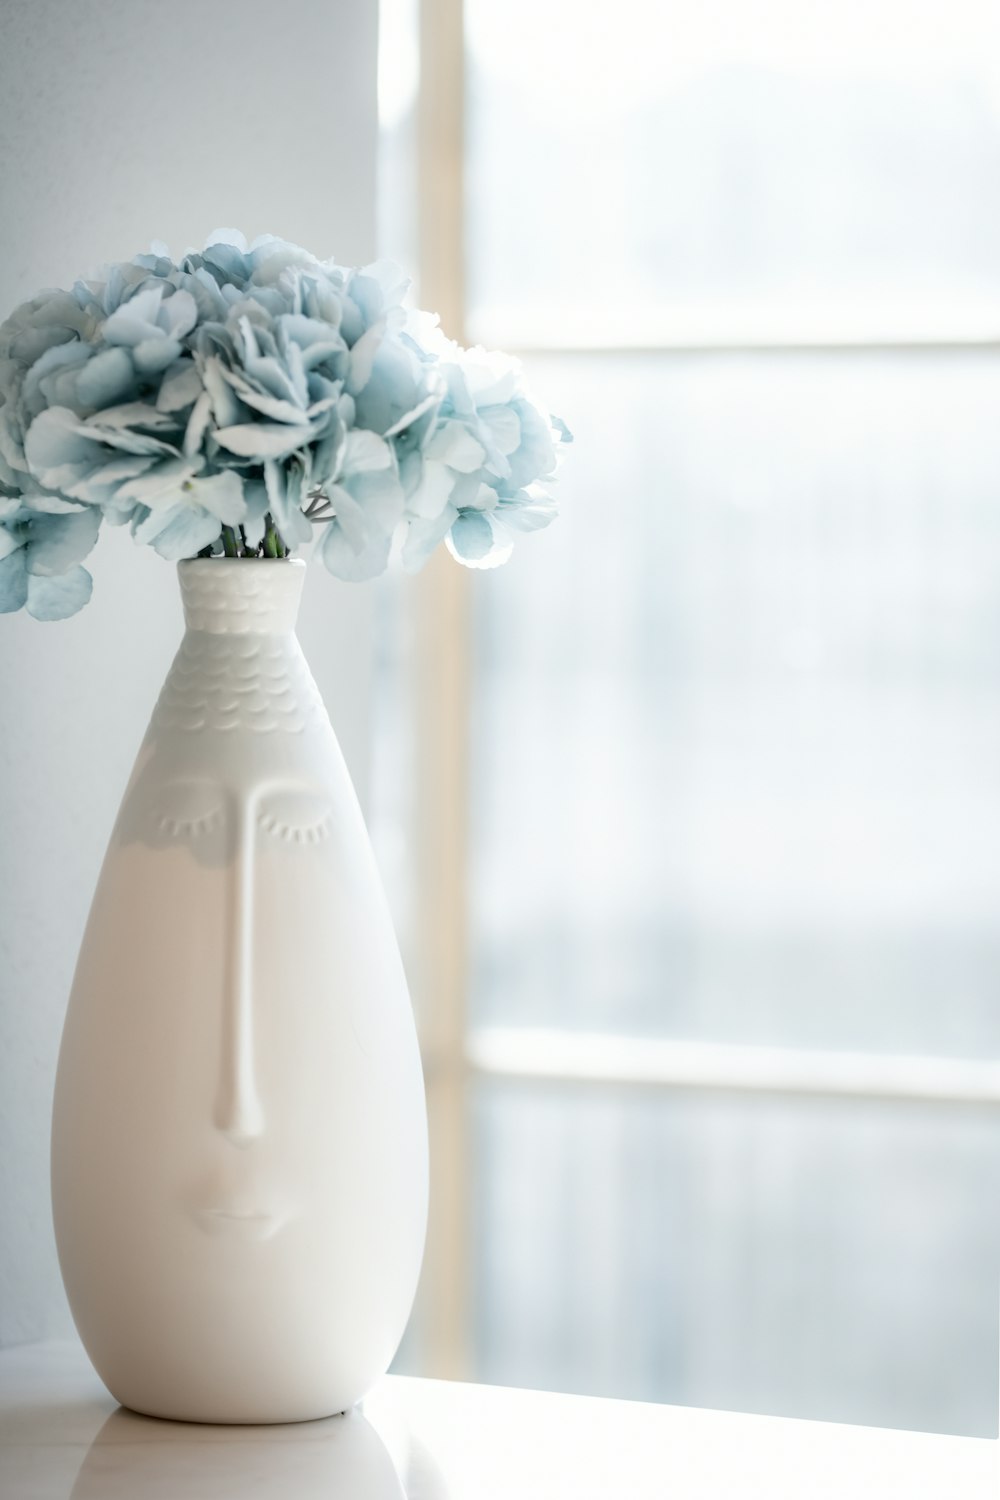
x=189 y=1419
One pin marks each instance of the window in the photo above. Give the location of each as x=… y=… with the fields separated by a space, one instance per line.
x=715 y=1076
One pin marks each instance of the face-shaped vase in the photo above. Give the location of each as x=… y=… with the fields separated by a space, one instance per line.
x=239 y=1137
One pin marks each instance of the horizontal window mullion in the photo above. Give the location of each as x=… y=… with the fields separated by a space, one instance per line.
x=752 y=329
x=569 y=1057
x=961 y=346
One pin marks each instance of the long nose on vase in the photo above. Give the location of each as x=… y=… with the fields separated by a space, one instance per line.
x=238 y=1113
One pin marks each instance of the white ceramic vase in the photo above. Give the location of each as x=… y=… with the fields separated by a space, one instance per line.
x=239 y=1153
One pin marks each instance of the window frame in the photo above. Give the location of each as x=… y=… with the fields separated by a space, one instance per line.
x=455 y=1054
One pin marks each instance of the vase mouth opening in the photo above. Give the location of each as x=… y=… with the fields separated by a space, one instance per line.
x=241 y=595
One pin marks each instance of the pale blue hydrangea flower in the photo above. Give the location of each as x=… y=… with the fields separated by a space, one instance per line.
x=41 y=545
x=478 y=469
x=134 y=462
x=242 y=399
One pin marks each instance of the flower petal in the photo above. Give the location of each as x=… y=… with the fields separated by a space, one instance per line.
x=531 y=515
x=184 y=532
x=362 y=358
x=221 y=495
x=100 y=486
x=106 y=379
x=433 y=493
x=58 y=598
x=379 y=493
x=270 y=406
x=56 y=451
x=454 y=445
x=198 y=422
x=178 y=315
x=11 y=439
x=131 y=415
x=160 y=486
x=285 y=487
x=262 y=440
x=504 y=426
x=232 y=237
x=225 y=406
x=365 y=450
x=478 y=541
x=55 y=543
x=408 y=419
x=424 y=536
x=152 y=355
x=255 y=495
x=39 y=379
x=181 y=387
x=51 y=505
x=471 y=536
x=127 y=441
x=136 y=319
x=11 y=541
x=354 y=552
x=13 y=582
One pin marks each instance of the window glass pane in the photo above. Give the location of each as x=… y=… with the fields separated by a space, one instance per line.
x=811 y=1259
x=736 y=729
x=730 y=164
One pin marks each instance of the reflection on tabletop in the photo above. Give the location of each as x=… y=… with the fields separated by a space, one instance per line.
x=142 y=1458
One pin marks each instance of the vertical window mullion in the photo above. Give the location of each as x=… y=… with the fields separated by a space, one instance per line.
x=441 y=608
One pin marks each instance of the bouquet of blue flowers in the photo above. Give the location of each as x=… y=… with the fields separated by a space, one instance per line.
x=239 y=400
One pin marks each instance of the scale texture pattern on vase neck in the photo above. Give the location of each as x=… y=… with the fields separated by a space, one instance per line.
x=257 y=683
x=241 y=596
x=239 y=666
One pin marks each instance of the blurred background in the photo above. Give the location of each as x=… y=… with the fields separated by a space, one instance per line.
x=726 y=876
x=690 y=814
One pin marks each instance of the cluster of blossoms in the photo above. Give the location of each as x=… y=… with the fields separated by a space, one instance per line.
x=238 y=400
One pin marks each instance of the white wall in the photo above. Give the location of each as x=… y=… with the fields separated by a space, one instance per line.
x=123 y=121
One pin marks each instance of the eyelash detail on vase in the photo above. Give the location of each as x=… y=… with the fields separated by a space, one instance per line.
x=314 y=834
x=189 y=828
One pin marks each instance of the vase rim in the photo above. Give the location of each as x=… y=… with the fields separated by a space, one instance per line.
x=213 y=562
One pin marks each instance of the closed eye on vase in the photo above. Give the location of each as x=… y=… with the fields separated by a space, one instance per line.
x=188 y=810
x=296 y=818
x=190 y=828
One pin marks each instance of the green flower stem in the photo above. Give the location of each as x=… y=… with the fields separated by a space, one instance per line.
x=229 y=542
x=273 y=545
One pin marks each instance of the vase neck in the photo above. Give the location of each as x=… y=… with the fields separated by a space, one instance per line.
x=239 y=666
x=241 y=596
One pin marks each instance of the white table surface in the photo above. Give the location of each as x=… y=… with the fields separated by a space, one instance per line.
x=62 y=1435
